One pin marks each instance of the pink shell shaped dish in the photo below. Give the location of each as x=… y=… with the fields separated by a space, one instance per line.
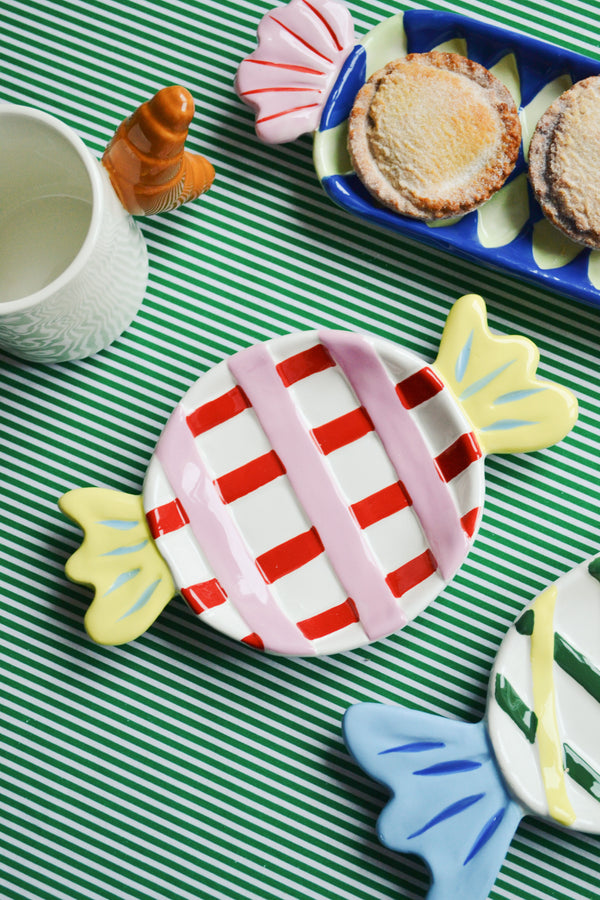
x=301 y=49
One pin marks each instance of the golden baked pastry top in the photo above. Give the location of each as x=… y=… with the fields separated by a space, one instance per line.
x=564 y=162
x=433 y=135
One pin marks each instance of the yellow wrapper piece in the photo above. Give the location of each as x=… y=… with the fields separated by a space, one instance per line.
x=494 y=380
x=119 y=559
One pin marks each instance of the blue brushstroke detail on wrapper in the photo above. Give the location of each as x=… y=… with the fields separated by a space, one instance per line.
x=482 y=383
x=142 y=600
x=449 y=812
x=450 y=767
x=122 y=579
x=119 y=524
x=124 y=551
x=507 y=424
x=463 y=359
x=485 y=835
x=462 y=824
x=538 y=64
x=348 y=84
x=415 y=747
x=515 y=396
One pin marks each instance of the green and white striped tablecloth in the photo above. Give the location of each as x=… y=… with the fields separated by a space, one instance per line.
x=184 y=765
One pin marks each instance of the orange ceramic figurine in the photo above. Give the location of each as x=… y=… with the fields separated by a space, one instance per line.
x=148 y=166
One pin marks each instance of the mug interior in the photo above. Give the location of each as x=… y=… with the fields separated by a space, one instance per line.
x=46 y=201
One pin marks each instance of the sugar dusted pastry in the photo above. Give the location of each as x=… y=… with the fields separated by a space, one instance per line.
x=564 y=161
x=433 y=135
x=315 y=492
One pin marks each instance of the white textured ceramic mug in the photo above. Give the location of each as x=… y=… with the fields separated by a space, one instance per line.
x=73 y=263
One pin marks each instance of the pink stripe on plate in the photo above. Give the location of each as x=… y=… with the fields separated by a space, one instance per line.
x=308 y=471
x=221 y=541
x=404 y=445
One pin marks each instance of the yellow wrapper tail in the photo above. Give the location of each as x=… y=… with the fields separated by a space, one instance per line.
x=119 y=559
x=494 y=380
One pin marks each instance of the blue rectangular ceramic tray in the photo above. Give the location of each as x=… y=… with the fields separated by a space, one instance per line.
x=509 y=232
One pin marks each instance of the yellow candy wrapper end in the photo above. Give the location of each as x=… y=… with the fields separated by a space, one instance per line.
x=119 y=559
x=493 y=378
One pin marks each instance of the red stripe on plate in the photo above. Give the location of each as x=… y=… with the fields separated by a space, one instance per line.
x=290 y=555
x=204 y=595
x=217 y=411
x=303 y=364
x=418 y=388
x=411 y=573
x=343 y=430
x=166 y=518
x=329 y=621
x=458 y=456
x=383 y=503
x=249 y=477
x=253 y=640
x=469 y=521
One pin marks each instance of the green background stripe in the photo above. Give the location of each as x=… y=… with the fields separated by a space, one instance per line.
x=184 y=766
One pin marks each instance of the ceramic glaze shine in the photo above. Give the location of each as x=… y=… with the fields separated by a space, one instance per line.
x=39 y=239
x=315 y=492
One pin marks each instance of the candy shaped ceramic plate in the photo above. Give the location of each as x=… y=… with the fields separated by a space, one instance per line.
x=314 y=493
x=460 y=790
x=305 y=75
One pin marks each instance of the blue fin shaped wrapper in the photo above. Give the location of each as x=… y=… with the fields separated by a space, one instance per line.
x=449 y=802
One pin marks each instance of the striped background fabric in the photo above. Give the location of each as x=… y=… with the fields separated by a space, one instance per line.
x=187 y=765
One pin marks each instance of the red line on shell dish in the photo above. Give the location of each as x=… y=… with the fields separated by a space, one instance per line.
x=290 y=555
x=285 y=112
x=411 y=573
x=323 y=624
x=458 y=456
x=341 y=431
x=290 y=68
x=217 y=411
x=166 y=518
x=322 y=19
x=383 y=503
x=250 y=477
x=301 y=365
x=419 y=388
x=302 y=41
x=204 y=595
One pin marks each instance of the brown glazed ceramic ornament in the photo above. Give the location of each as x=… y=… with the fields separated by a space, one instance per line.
x=148 y=166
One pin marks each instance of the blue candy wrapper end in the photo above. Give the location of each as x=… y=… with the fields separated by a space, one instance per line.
x=449 y=802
